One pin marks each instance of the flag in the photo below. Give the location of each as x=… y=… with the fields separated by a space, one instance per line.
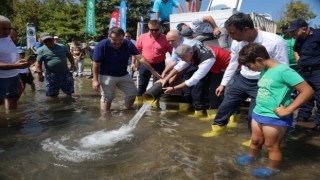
x=90 y=18
x=31 y=35
x=141 y=25
x=123 y=16
x=115 y=22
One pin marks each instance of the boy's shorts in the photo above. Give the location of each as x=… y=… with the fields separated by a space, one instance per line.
x=284 y=121
x=9 y=87
x=55 y=82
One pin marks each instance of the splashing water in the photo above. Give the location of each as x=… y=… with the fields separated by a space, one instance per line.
x=92 y=146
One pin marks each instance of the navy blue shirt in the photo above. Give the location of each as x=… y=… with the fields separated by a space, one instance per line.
x=309 y=49
x=114 y=62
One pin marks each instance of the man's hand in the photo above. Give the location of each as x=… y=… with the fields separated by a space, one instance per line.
x=216 y=32
x=73 y=67
x=168 y=89
x=40 y=77
x=21 y=64
x=156 y=74
x=96 y=85
x=162 y=81
x=219 y=90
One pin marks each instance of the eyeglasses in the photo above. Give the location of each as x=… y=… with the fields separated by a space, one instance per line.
x=154 y=29
x=127 y=36
x=47 y=40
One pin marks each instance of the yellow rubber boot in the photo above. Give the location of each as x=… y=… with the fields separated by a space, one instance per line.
x=197 y=114
x=156 y=104
x=183 y=107
x=247 y=143
x=216 y=131
x=211 y=113
x=138 y=101
x=233 y=120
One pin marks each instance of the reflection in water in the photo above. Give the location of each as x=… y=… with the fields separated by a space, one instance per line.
x=72 y=139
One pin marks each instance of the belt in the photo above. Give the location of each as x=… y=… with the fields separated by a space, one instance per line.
x=310 y=68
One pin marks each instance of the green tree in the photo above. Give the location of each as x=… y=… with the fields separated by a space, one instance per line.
x=295 y=10
x=25 y=12
x=6 y=8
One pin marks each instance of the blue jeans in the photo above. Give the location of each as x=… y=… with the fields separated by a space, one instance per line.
x=313 y=78
x=214 y=100
x=145 y=74
x=238 y=92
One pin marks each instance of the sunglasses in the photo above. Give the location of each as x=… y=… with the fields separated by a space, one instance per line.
x=154 y=29
x=47 y=40
x=127 y=36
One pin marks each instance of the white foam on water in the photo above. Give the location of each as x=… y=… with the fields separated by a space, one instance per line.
x=92 y=146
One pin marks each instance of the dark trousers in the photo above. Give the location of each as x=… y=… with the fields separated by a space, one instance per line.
x=214 y=100
x=196 y=94
x=145 y=74
x=237 y=93
x=313 y=78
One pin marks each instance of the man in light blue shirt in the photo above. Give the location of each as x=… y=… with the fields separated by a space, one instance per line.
x=163 y=9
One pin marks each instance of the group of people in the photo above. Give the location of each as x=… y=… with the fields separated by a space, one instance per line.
x=256 y=66
x=264 y=76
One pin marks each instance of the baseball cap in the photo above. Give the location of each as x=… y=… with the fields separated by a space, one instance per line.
x=185 y=32
x=296 y=24
x=21 y=51
x=45 y=36
x=56 y=37
x=179 y=26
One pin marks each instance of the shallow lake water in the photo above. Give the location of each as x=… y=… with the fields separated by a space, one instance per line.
x=73 y=139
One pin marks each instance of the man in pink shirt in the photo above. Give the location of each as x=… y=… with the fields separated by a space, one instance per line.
x=153 y=47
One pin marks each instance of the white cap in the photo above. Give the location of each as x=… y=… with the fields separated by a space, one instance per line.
x=55 y=37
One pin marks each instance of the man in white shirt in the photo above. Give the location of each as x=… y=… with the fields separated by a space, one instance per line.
x=9 y=66
x=241 y=29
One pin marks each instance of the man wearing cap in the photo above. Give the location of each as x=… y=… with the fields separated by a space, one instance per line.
x=56 y=39
x=308 y=49
x=9 y=66
x=205 y=29
x=57 y=75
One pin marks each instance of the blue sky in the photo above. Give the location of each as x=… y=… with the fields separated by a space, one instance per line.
x=273 y=7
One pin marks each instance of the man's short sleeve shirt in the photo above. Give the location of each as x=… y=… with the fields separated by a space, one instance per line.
x=113 y=61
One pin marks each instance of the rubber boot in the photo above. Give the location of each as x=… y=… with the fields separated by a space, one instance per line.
x=183 y=107
x=247 y=143
x=197 y=113
x=156 y=104
x=211 y=113
x=233 y=120
x=138 y=101
x=216 y=131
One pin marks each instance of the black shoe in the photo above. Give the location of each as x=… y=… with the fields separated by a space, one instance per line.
x=90 y=77
x=301 y=119
x=316 y=128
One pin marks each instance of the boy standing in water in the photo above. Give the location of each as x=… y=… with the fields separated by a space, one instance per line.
x=272 y=114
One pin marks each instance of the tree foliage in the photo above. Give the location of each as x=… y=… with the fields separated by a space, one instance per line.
x=66 y=18
x=296 y=10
